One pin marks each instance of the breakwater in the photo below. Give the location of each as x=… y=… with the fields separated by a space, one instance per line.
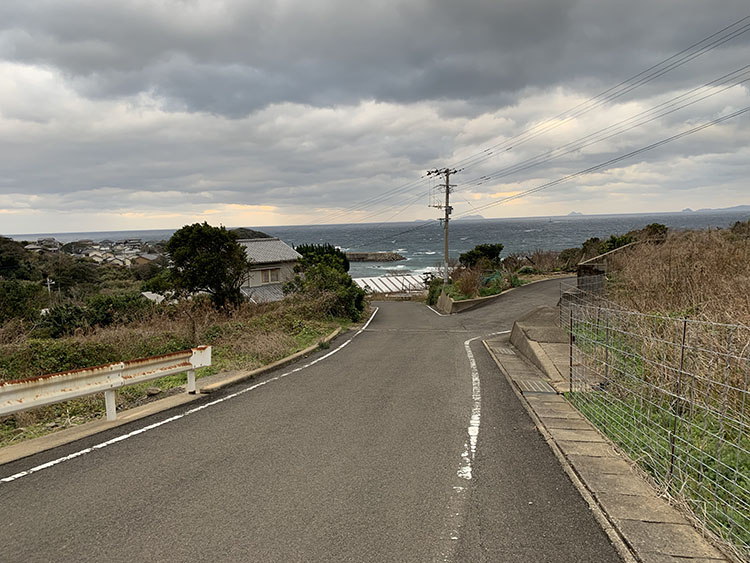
x=374 y=256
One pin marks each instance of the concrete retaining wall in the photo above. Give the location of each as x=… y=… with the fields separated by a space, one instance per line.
x=448 y=306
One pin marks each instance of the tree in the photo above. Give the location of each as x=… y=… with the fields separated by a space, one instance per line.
x=590 y=248
x=322 y=271
x=20 y=299
x=16 y=262
x=614 y=242
x=206 y=258
x=484 y=255
x=314 y=253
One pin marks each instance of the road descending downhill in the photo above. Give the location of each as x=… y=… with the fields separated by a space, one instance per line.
x=405 y=445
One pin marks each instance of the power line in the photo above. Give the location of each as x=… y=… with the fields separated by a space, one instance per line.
x=663 y=109
x=360 y=206
x=547 y=185
x=612 y=93
x=614 y=160
x=688 y=54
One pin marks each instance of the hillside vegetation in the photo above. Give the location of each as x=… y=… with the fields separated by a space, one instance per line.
x=89 y=322
x=701 y=274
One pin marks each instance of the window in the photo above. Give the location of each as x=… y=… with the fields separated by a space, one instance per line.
x=270 y=276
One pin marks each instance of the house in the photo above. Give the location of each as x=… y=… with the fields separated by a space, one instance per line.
x=96 y=255
x=271 y=265
x=145 y=258
x=44 y=245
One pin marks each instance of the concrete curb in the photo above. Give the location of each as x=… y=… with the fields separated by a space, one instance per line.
x=34 y=446
x=245 y=375
x=469 y=304
x=451 y=307
x=537 y=352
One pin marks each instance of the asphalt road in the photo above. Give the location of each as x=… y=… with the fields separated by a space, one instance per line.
x=363 y=456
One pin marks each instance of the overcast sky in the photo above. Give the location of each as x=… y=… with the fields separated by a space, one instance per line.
x=147 y=114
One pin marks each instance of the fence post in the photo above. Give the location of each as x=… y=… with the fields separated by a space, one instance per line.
x=677 y=410
x=606 y=347
x=607 y=386
x=570 y=337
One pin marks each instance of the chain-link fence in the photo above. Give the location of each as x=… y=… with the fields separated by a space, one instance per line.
x=673 y=394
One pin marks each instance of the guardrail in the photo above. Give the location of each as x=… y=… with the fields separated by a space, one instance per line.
x=57 y=387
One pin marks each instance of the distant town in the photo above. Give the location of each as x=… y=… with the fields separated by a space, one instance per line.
x=127 y=252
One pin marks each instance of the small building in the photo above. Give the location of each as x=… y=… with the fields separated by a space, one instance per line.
x=144 y=258
x=271 y=265
x=44 y=245
x=96 y=255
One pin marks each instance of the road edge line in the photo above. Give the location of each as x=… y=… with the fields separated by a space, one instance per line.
x=122 y=437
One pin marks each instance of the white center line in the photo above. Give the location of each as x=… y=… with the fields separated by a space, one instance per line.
x=470 y=447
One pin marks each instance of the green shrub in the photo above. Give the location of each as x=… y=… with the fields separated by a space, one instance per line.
x=16 y=262
x=104 y=310
x=61 y=320
x=614 y=242
x=322 y=275
x=434 y=288
x=590 y=248
x=20 y=300
x=513 y=262
x=741 y=229
x=483 y=255
x=316 y=253
x=569 y=258
x=655 y=231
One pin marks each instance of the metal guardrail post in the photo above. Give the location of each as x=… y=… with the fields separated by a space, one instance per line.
x=111 y=404
x=191 y=382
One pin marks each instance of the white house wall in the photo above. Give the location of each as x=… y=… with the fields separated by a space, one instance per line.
x=254 y=277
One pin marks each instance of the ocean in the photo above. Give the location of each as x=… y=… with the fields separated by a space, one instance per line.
x=422 y=243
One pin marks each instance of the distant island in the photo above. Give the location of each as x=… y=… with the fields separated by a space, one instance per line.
x=470 y=218
x=374 y=256
x=735 y=209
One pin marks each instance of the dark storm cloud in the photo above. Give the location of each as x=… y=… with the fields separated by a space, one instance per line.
x=235 y=58
x=190 y=107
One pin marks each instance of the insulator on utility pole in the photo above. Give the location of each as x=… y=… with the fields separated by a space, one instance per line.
x=446 y=172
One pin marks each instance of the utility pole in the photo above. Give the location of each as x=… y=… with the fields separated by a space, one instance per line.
x=447 y=207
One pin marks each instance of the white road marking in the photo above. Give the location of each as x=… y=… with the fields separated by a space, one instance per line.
x=470 y=446
x=437 y=312
x=179 y=416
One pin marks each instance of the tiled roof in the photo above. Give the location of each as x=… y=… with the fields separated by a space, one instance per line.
x=264 y=293
x=268 y=250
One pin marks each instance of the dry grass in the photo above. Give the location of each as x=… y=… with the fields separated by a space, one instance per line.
x=469 y=281
x=702 y=274
x=245 y=338
x=545 y=261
